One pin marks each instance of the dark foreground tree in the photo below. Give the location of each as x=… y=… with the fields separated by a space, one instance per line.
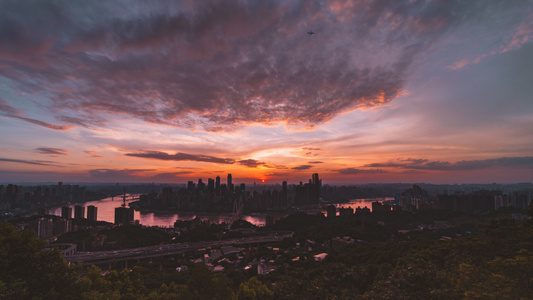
x=27 y=271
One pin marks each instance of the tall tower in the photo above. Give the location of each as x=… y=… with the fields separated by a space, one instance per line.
x=315 y=179
x=92 y=212
x=229 y=183
x=217 y=183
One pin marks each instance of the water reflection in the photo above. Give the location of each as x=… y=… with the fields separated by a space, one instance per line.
x=106 y=212
x=361 y=203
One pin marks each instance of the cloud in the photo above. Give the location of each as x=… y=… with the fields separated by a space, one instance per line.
x=424 y=164
x=251 y=163
x=316 y=162
x=29 y=162
x=170 y=175
x=181 y=157
x=51 y=151
x=93 y=154
x=8 y=110
x=302 y=167
x=44 y=124
x=353 y=171
x=523 y=33
x=12 y=112
x=134 y=175
x=311 y=149
x=215 y=65
x=117 y=173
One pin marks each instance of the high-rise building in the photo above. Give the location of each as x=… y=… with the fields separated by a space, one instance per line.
x=331 y=211
x=229 y=183
x=66 y=212
x=44 y=228
x=62 y=226
x=217 y=183
x=123 y=215
x=92 y=213
x=79 y=212
x=166 y=196
x=210 y=185
x=316 y=180
x=308 y=193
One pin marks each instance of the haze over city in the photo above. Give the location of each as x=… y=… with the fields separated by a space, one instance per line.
x=269 y=91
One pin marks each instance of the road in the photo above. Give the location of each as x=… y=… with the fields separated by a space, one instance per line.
x=101 y=257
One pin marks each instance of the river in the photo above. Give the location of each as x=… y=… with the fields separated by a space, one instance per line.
x=106 y=212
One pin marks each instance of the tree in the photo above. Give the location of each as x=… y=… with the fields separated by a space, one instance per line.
x=30 y=271
x=253 y=289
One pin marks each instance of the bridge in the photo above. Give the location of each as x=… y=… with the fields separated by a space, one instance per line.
x=107 y=257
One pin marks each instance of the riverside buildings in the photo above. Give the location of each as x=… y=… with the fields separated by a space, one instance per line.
x=216 y=196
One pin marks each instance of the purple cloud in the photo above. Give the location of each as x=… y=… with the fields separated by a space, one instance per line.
x=302 y=167
x=251 y=163
x=215 y=65
x=424 y=164
x=353 y=171
x=51 y=151
x=181 y=156
x=29 y=162
x=12 y=112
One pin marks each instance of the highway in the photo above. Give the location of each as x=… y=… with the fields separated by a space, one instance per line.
x=101 y=257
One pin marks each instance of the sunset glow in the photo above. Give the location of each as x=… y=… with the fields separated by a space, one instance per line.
x=384 y=91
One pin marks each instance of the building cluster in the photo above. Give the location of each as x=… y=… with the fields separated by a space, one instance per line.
x=49 y=227
x=473 y=202
x=33 y=197
x=218 y=196
x=331 y=211
x=79 y=212
x=124 y=215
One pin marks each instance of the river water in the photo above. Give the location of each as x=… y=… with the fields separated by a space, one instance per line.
x=106 y=212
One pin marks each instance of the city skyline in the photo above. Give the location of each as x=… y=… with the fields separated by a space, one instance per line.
x=389 y=91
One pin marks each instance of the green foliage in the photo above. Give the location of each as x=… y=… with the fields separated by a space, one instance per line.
x=253 y=289
x=28 y=271
x=497 y=264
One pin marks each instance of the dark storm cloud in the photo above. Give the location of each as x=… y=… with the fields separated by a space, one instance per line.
x=353 y=171
x=52 y=151
x=181 y=157
x=28 y=162
x=302 y=167
x=215 y=64
x=424 y=164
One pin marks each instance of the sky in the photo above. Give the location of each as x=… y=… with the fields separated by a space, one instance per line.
x=171 y=91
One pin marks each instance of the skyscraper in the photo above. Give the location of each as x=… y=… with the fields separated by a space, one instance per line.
x=66 y=212
x=79 y=212
x=123 y=215
x=92 y=213
x=229 y=183
x=315 y=179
